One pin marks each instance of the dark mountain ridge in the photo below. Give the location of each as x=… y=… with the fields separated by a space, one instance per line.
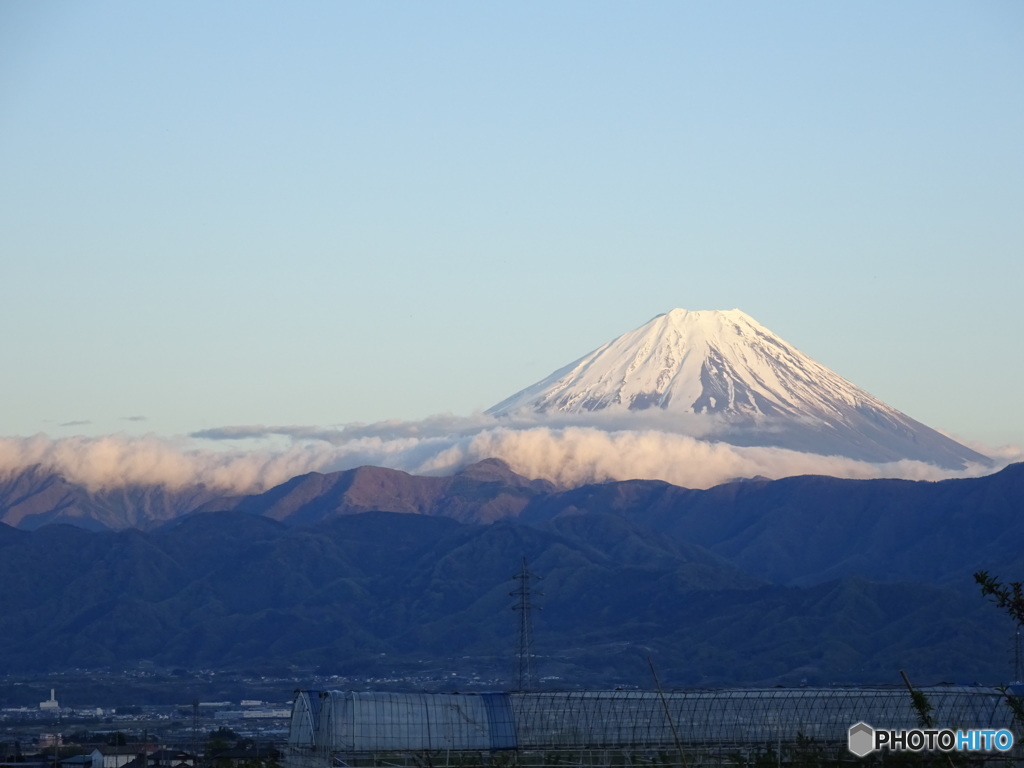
x=813 y=528
x=797 y=530
x=481 y=493
x=370 y=571
x=35 y=497
x=370 y=593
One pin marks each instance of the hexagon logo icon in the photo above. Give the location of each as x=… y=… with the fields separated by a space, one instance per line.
x=861 y=739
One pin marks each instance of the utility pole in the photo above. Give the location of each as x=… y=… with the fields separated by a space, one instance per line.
x=1018 y=658
x=524 y=605
x=672 y=723
x=195 y=733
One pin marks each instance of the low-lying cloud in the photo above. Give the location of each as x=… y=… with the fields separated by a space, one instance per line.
x=570 y=452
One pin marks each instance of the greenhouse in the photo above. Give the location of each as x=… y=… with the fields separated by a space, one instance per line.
x=704 y=727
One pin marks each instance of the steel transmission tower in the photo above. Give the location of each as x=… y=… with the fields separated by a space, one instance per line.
x=523 y=594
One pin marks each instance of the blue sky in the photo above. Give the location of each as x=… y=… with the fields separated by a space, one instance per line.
x=323 y=213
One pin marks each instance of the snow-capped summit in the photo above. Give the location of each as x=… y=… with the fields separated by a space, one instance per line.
x=752 y=387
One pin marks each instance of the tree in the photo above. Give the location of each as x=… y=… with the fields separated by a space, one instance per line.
x=222 y=738
x=1009 y=596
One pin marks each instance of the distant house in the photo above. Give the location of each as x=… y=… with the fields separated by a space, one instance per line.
x=31 y=761
x=119 y=757
x=171 y=758
x=92 y=760
x=162 y=758
x=229 y=758
x=138 y=762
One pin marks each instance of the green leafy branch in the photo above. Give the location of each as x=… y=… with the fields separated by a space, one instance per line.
x=1009 y=596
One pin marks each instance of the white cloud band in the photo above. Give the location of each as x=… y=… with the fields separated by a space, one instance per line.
x=564 y=453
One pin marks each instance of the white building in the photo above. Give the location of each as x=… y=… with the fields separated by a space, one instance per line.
x=50 y=705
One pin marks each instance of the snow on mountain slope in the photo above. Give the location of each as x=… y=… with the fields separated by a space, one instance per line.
x=750 y=386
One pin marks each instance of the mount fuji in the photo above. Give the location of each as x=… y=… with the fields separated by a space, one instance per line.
x=720 y=375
